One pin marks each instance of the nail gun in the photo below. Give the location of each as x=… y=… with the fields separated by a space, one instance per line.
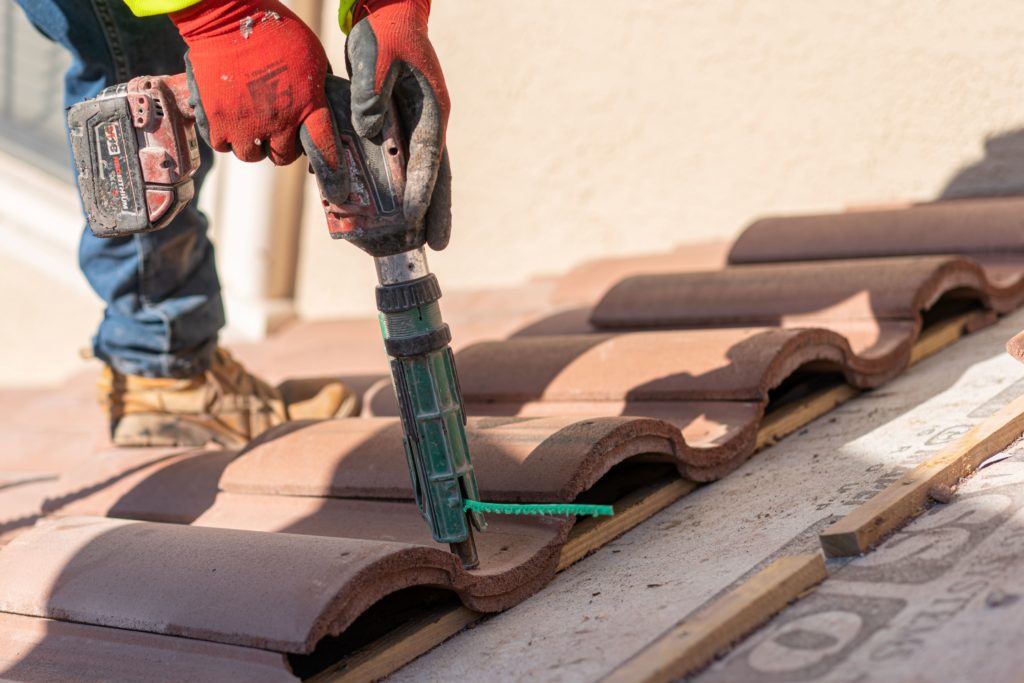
x=135 y=150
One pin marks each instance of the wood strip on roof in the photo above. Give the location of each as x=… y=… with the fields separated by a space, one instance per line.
x=907 y=497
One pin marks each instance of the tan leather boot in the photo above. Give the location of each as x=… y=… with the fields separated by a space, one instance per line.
x=225 y=404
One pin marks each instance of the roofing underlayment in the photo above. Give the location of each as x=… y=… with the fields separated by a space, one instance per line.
x=228 y=564
x=939 y=600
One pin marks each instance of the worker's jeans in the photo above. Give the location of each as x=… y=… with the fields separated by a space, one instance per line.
x=161 y=289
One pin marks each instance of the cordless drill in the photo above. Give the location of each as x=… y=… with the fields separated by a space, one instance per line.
x=136 y=151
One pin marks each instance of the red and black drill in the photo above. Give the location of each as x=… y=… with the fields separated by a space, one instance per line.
x=135 y=149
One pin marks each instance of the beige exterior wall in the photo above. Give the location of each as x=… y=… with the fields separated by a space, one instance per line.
x=583 y=128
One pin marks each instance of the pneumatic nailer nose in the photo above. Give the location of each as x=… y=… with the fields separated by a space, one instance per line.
x=429 y=399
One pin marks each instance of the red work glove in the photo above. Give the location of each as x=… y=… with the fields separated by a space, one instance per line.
x=390 y=56
x=256 y=73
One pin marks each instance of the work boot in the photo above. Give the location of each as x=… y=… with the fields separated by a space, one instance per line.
x=225 y=404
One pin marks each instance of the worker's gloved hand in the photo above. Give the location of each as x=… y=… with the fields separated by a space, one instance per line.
x=256 y=73
x=390 y=56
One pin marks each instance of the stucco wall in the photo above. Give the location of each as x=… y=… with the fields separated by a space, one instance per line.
x=583 y=128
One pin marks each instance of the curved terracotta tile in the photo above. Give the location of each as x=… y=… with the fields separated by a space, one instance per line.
x=281 y=592
x=1003 y=270
x=876 y=304
x=34 y=649
x=718 y=436
x=726 y=364
x=546 y=459
x=964 y=226
x=226 y=580
x=828 y=294
x=518 y=555
x=705 y=425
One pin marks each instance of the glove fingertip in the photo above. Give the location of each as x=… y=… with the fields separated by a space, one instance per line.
x=320 y=128
x=439 y=215
x=282 y=151
x=321 y=146
x=198 y=112
x=368 y=125
x=438 y=242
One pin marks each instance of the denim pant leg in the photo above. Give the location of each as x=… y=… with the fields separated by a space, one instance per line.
x=164 y=308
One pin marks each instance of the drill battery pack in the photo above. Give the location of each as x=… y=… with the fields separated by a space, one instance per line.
x=135 y=152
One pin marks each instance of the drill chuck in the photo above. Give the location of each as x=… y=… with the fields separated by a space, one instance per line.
x=429 y=399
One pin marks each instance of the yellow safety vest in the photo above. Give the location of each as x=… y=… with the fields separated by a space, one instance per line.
x=145 y=8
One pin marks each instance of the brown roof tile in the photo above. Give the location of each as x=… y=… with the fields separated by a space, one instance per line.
x=45 y=650
x=829 y=294
x=516 y=459
x=280 y=592
x=518 y=555
x=963 y=226
x=725 y=364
